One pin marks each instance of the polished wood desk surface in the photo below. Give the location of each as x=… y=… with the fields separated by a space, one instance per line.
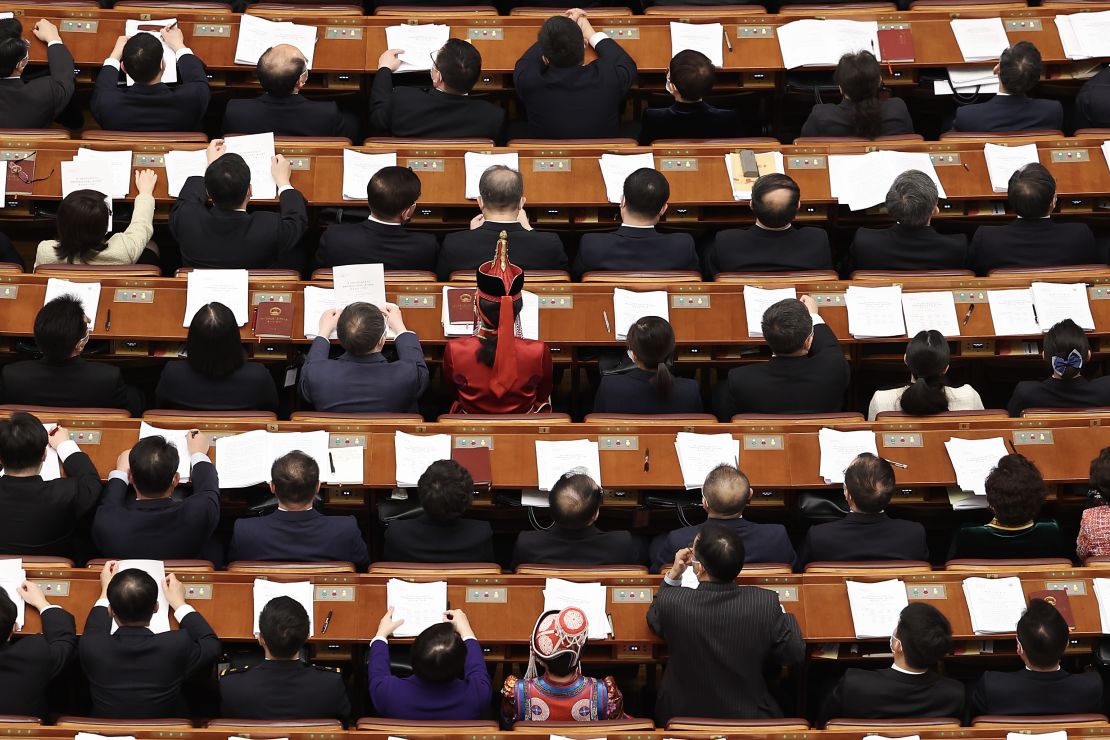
x=353 y=44
x=753 y=733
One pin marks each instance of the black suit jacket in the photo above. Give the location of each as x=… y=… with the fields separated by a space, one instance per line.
x=1057 y=393
x=580 y=102
x=763 y=543
x=838 y=119
x=72 y=382
x=35 y=104
x=531 y=250
x=40 y=516
x=158 y=529
x=284 y=689
x=421 y=112
x=719 y=638
x=635 y=248
x=1038 y=242
x=136 y=674
x=152 y=107
x=890 y=694
x=630 y=392
x=369 y=242
x=860 y=536
x=756 y=249
x=294 y=115
x=1010 y=113
x=422 y=540
x=689 y=121
x=299 y=536
x=589 y=546
x=28 y=663
x=369 y=383
x=1036 y=692
x=215 y=238
x=901 y=247
x=1092 y=104
x=250 y=388
x=812 y=384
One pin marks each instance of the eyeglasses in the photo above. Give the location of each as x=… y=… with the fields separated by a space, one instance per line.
x=433 y=55
x=16 y=169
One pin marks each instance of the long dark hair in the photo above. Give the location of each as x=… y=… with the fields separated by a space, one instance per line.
x=858 y=76
x=213 y=347
x=490 y=318
x=81 y=221
x=927 y=356
x=651 y=339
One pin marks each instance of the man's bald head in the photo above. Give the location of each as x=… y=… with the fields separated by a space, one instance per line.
x=775 y=200
x=726 y=491
x=500 y=189
x=280 y=69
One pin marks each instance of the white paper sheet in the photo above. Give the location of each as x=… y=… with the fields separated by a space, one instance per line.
x=181 y=164
x=421 y=605
x=82 y=175
x=228 y=287
x=359 y=167
x=12 y=576
x=348 y=464
x=698 y=454
x=529 y=315
x=589 y=597
x=256 y=35
x=1085 y=35
x=875 y=312
x=87 y=293
x=476 y=164
x=1012 y=312
x=758 y=300
x=995 y=604
x=810 y=42
x=418 y=42
x=973 y=460
x=980 y=39
x=862 y=181
x=314 y=444
x=707 y=38
x=876 y=607
x=690 y=578
x=156 y=569
x=930 y=310
x=1004 y=161
x=839 y=449
x=51 y=467
x=630 y=306
x=300 y=591
x=555 y=459
x=359 y=284
x=1058 y=301
x=245 y=459
x=179 y=438
x=132 y=27
x=415 y=452
x=316 y=301
x=257 y=150
x=1058 y=735
x=615 y=169
x=116 y=165
x=1102 y=593
x=744 y=192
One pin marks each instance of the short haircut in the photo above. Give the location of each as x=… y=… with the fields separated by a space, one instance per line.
x=13 y=50
x=1043 y=634
x=283 y=624
x=779 y=211
x=1100 y=473
x=8 y=614
x=925 y=634
x=153 y=463
x=869 y=480
x=81 y=222
x=1030 y=191
x=11 y=28
x=361 y=326
x=561 y=42
x=575 y=500
x=912 y=198
x=646 y=192
x=1063 y=338
x=278 y=72
x=460 y=65
x=133 y=596
x=1015 y=491
x=212 y=346
x=501 y=187
x=720 y=551
x=1020 y=68
x=391 y=190
x=142 y=58
x=692 y=74
x=295 y=476
x=445 y=489
x=227 y=181
x=786 y=326
x=59 y=326
x=726 y=489
x=438 y=654
x=23 y=441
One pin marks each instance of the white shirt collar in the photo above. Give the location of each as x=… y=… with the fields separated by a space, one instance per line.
x=907 y=671
x=379 y=221
x=639 y=226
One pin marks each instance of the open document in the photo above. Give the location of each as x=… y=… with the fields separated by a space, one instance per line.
x=181 y=164
x=967 y=80
x=556 y=459
x=861 y=181
x=821 y=43
x=415 y=452
x=257 y=150
x=245 y=459
x=589 y=597
x=80 y=174
x=766 y=163
x=300 y=591
x=476 y=164
x=420 y=604
x=228 y=287
x=980 y=39
x=419 y=43
x=707 y=38
x=359 y=167
x=87 y=293
x=1084 y=35
x=178 y=438
x=115 y=164
x=12 y=576
x=758 y=300
x=133 y=27
x=1004 y=161
x=615 y=169
x=630 y=306
x=256 y=35
x=875 y=312
x=156 y=569
x=839 y=449
x=1058 y=301
x=698 y=454
x=1012 y=312
x=973 y=460
x=995 y=604
x=1102 y=593
x=876 y=607
x=930 y=310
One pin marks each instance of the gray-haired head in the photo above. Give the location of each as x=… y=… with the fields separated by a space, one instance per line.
x=912 y=198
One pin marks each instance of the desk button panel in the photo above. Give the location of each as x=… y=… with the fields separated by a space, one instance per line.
x=9 y=292
x=69 y=25
x=763 y=442
x=621 y=33
x=1094 y=292
x=1063 y=156
x=946 y=160
x=347 y=440
x=467 y=443
x=755 y=32
x=926 y=591
x=53 y=588
x=86 y=436
x=487 y=595
x=334 y=593
x=141 y=159
x=1032 y=437
x=902 y=439
x=352 y=33
x=202 y=591
x=808 y=162
x=1023 y=24
x=127 y=295
x=969 y=296
x=416 y=300
x=828 y=299
x=259 y=296
x=610 y=442
x=556 y=301
x=485 y=34
x=786 y=593
x=691 y=301
x=1074 y=588
x=551 y=165
x=632 y=595
x=425 y=165
x=219 y=30
x=685 y=164
x=899 y=26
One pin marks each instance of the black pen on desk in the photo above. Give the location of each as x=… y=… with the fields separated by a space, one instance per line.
x=903 y=466
x=728 y=41
x=331 y=462
x=1035 y=316
x=967 y=315
x=108 y=321
x=647 y=459
x=327 y=621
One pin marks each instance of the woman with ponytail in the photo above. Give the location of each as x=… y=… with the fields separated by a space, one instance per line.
x=927 y=357
x=648 y=386
x=861 y=113
x=1066 y=350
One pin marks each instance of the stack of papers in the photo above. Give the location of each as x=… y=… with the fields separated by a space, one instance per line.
x=589 y=597
x=228 y=287
x=876 y=607
x=704 y=37
x=1084 y=35
x=615 y=169
x=839 y=449
x=257 y=150
x=421 y=605
x=476 y=164
x=245 y=459
x=1004 y=161
x=181 y=164
x=630 y=306
x=556 y=459
x=256 y=35
x=1106 y=152
x=967 y=80
x=300 y=591
x=156 y=569
x=415 y=452
x=105 y=172
x=980 y=39
x=1102 y=593
x=973 y=460
x=930 y=310
x=995 y=604
x=358 y=168
x=346 y=465
x=132 y=27
x=875 y=312
x=1012 y=312
x=698 y=454
x=419 y=44
x=87 y=293
x=1058 y=301
x=353 y=284
x=179 y=439
x=765 y=162
x=12 y=576
x=821 y=43
x=861 y=181
x=758 y=300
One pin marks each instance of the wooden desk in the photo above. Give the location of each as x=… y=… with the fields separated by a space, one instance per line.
x=754 y=733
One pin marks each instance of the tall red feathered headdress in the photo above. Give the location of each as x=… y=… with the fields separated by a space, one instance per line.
x=500 y=282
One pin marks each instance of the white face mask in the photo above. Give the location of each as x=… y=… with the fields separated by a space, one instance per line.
x=630 y=355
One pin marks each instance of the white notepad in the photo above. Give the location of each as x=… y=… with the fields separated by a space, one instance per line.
x=300 y=591
x=257 y=150
x=133 y=27
x=245 y=459
x=615 y=169
x=1012 y=312
x=930 y=310
x=179 y=438
x=1004 y=161
x=156 y=569
x=12 y=576
x=181 y=164
x=476 y=164
x=415 y=452
x=995 y=604
x=698 y=454
x=876 y=607
x=812 y=42
x=229 y=287
x=839 y=449
x=704 y=37
x=1056 y=302
x=875 y=312
x=556 y=459
x=419 y=43
x=256 y=35
x=980 y=39
x=421 y=605
x=87 y=293
x=116 y=166
x=591 y=598
x=630 y=306
x=359 y=167
x=1102 y=593
x=973 y=460
x=758 y=300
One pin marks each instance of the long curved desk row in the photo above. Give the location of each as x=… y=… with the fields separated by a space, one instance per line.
x=400 y=728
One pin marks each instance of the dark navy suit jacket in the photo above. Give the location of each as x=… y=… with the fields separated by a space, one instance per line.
x=763 y=543
x=369 y=383
x=299 y=536
x=689 y=121
x=635 y=248
x=1010 y=113
x=1036 y=692
x=152 y=107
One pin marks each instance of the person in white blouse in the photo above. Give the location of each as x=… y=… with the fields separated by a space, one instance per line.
x=928 y=392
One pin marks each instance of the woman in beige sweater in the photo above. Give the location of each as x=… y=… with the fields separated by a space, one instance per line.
x=82 y=216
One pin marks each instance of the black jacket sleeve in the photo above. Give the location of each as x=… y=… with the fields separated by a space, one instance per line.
x=60 y=631
x=105 y=92
x=294 y=219
x=61 y=76
x=613 y=56
x=193 y=92
x=381 y=101
x=205 y=647
x=80 y=468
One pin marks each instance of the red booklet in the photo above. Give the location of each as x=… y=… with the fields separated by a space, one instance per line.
x=1058 y=599
x=477 y=463
x=274 y=320
x=460 y=305
x=896 y=45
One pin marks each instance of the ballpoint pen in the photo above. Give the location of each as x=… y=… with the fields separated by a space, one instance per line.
x=108 y=321
x=331 y=462
x=968 y=314
x=1035 y=316
x=327 y=621
x=728 y=41
x=903 y=466
x=605 y=315
x=647 y=459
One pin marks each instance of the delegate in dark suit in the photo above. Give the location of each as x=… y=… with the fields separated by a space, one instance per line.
x=1010 y=113
x=136 y=674
x=1060 y=393
x=158 y=529
x=635 y=248
x=217 y=238
x=423 y=540
x=1092 y=104
x=901 y=247
x=369 y=383
x=763 y=543
x=586 y=546
x=291 y=115
x=283 y=689
x=157 y=107
x=29 y=663
x=863 y=536
x=630 y=392
x=757 y=249
x=698 y=120
x=394 y=246
x=890 y=694
x=37 y=103
x=420 y=112
x=1037 y=692
x=72 y=382
x=838 y=119
x=1033 y=243
x=531 y=250
x=719 y=637
x=299 y=536
x=248 y=388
